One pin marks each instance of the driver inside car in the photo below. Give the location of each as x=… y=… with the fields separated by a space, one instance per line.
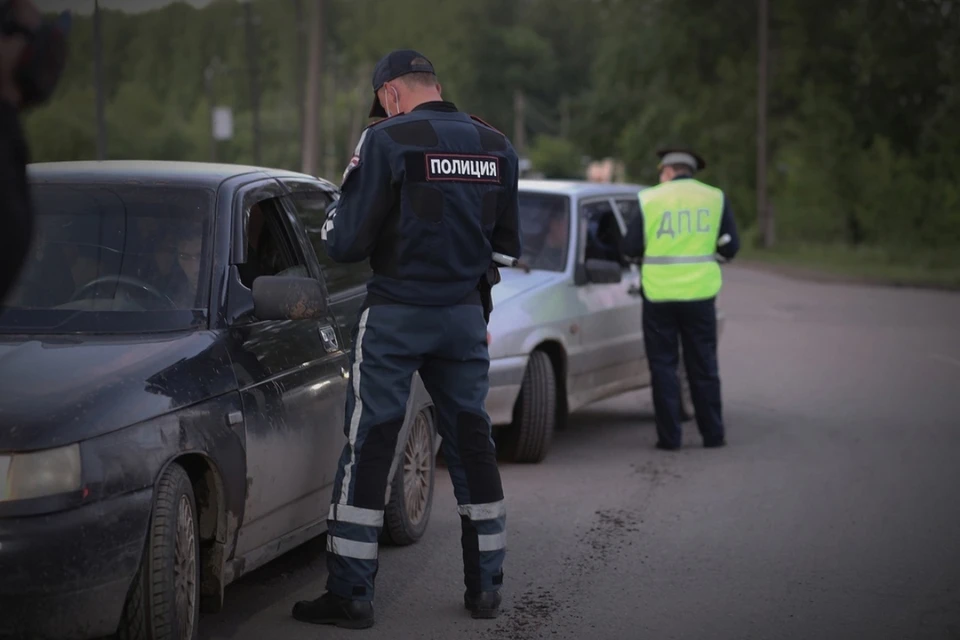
x=158 y=248
x=553 y=254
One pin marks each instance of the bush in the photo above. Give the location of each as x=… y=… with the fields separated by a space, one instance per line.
x=556 y=158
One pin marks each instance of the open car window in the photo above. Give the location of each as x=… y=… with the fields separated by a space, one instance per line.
x=270 y=251
x=604 y=240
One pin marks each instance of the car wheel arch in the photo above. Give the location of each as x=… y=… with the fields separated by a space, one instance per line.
x=214 y=526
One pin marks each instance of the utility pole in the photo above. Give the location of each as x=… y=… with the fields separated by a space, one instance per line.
x=565 y=117
x=330 y=119
x=300 y=70
x=312 y=102
x=519 y=123
x=98 y=82
x=208 y=75
x=360 y=108
x=253 y=72
x=764 y=219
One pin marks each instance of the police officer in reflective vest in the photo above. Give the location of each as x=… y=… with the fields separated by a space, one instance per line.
x=429 y=195
x=683 y=224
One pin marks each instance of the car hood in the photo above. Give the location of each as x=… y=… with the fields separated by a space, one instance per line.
x=514 y=281
x=56 y=390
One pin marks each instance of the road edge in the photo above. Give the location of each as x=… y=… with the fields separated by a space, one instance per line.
x=826 y=276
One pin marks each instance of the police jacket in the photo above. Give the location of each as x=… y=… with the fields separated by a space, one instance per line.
x=428 y=197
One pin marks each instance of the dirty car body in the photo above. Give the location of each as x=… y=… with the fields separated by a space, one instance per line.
x=132 y=344
x=575 y=301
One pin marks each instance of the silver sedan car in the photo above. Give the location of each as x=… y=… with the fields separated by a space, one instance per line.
x=566 y=328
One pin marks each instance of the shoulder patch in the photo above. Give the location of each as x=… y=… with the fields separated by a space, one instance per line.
x=486 y=124
x=355 y=160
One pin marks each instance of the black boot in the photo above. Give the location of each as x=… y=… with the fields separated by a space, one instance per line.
x=332 y=609
x=485 y=604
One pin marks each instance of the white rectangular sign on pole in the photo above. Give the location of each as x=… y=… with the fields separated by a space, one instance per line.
x=222 y=123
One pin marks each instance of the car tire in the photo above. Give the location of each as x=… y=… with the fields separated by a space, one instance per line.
x=687 y=412
x=537 y=410
x=164 y=600
x=411 y=492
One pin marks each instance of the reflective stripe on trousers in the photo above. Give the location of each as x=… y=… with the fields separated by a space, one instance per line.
x=486 y=523
x=495 y=514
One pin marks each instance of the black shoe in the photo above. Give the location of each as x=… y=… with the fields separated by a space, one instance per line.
x=715 y=444
x=667 y=447
x=485 y=604
x=332 y=609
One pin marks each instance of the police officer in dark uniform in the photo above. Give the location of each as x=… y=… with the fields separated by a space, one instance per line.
x=683 y=224
x=429 y=195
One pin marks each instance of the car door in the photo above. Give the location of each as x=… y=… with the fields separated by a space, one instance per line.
x=292 y=376
x=628 y=208
x=346 y=283
x=611 y=329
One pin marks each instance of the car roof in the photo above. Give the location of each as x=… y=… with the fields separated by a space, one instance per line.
x=157 y=171
x=579 y=188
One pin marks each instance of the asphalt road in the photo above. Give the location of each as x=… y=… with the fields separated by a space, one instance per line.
x=834 y=512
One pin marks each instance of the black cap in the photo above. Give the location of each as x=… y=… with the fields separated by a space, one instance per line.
x=392 y=66
x=681 y=155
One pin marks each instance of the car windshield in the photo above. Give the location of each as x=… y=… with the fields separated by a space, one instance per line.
x=545 y=230
x=113 y=258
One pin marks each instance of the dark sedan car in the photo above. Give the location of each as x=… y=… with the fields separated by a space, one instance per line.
x=173 y=370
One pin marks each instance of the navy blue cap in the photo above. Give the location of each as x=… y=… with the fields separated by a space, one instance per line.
x=392 y=66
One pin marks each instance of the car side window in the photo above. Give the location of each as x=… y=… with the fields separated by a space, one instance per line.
x=604 y=239
x=629 y=209
x=311 y=207
x=269 y=250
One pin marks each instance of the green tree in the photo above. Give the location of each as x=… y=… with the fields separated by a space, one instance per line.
x=556 y=158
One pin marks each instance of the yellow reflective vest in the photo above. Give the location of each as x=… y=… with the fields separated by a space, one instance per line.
x=681 y=225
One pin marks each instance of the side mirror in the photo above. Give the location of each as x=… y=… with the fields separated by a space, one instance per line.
x=603 y=271
x=288 y=298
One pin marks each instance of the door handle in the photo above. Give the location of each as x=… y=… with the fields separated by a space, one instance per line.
x=329 y=338
x=634 y=290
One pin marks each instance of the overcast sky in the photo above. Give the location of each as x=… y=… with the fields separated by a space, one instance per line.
x=131 y=6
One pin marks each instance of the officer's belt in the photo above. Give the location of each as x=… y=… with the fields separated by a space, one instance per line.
x=678 y=259
x=374 y=300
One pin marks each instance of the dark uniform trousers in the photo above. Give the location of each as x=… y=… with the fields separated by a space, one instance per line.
x=447 y=345
x=665 y=326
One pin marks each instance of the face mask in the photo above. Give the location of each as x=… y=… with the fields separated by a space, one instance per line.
x=41 y=64
x=396 y=97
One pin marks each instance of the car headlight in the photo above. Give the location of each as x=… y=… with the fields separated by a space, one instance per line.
x=40 y=473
